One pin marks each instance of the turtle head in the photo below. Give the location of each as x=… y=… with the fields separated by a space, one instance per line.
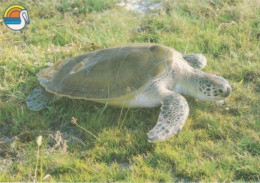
x=203 y=86
x=211 y=87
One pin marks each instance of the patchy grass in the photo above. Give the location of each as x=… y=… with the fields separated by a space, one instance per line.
x=217 y=143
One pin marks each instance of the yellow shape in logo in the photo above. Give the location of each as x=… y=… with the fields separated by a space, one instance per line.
x=16 y=17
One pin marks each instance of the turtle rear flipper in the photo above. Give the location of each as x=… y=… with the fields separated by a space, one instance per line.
x=39 y=98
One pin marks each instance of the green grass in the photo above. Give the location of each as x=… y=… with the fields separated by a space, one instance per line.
x=217 y=143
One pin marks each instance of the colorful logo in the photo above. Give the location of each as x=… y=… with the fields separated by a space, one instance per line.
x=16 y=17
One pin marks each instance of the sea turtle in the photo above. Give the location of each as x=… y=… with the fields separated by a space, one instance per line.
x=143 y=75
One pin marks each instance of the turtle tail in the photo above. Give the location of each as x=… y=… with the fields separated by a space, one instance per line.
x=39 y=98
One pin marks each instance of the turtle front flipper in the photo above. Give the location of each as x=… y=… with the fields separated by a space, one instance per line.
x=197 y=61
x=39 y=98
x=174 y=112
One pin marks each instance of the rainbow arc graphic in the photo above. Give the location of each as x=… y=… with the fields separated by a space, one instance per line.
x=16 y=17
x=12 y=14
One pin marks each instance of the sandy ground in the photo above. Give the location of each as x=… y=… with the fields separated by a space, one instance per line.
x=141 y=6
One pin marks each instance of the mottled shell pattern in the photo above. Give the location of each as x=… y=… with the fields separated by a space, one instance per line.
x=109 y=73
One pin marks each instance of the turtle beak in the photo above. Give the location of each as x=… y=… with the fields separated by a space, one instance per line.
x=227 y=92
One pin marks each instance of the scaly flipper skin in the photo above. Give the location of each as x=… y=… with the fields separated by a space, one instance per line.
x=39 y=98
x=197 y=61
x=174 y=112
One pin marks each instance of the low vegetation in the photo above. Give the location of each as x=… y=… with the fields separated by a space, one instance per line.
x=217 y=143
